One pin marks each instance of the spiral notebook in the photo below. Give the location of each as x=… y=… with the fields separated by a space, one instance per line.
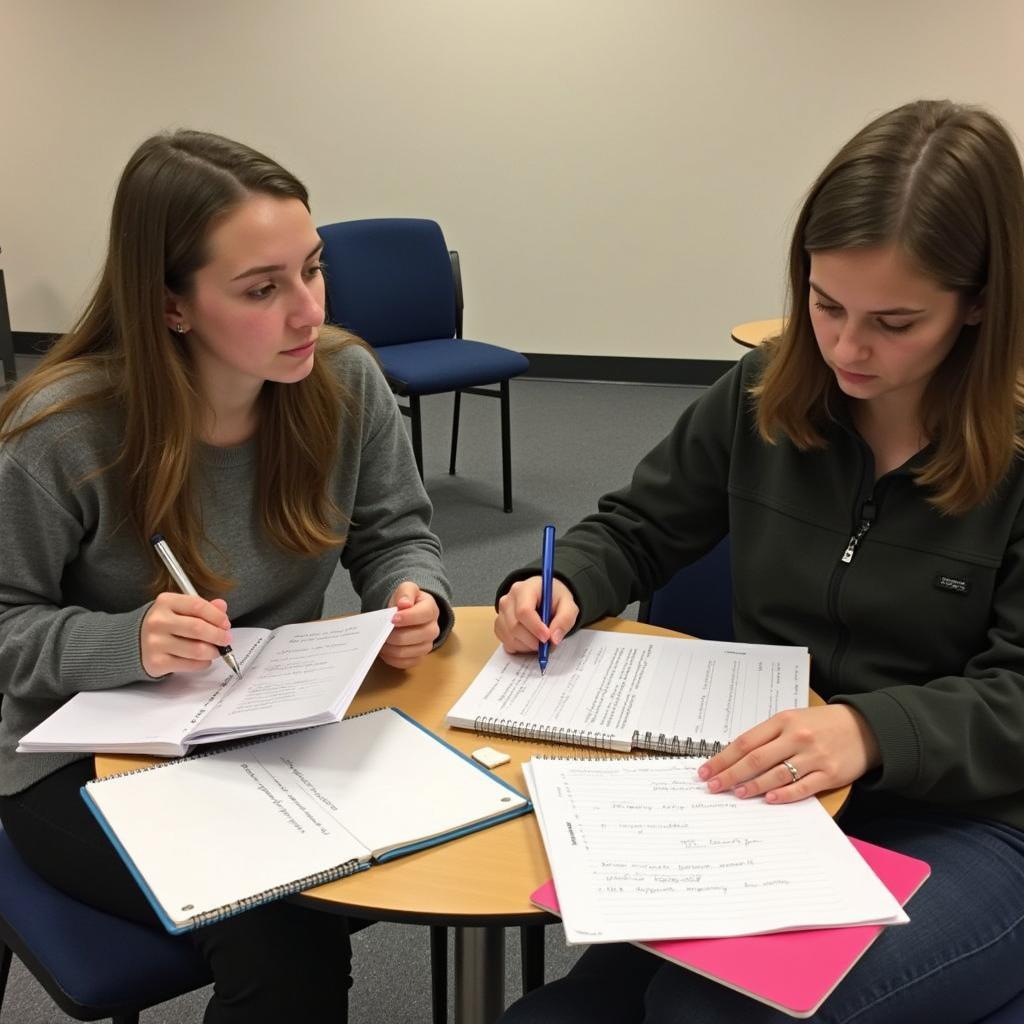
x=793 y=972
x=211 y=835
x=627 y=691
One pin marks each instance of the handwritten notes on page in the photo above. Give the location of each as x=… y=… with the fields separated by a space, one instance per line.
x=622 y=691
x=641 y=850
x=292 y=676
x=700 y=695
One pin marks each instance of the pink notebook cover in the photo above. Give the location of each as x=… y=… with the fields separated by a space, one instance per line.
x=792 y=971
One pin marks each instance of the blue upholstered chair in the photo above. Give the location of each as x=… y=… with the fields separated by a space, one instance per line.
x=698 y=599
x=394 y=283
x=93 y=965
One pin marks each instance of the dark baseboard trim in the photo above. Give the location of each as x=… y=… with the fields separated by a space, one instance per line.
x=32 y=343
x=627 y=369
x=618 y=369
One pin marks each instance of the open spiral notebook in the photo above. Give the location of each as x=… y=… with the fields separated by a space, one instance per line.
x=214 y=834
x=629 y=691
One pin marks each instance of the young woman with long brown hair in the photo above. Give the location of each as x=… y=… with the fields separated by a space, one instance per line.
x=199 y=396
x=868 y=469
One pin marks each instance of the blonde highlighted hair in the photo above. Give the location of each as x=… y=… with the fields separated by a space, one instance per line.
x=944 y=183
x=173 y=190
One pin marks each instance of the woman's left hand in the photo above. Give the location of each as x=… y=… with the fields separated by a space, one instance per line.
x=827 y=746
x=416 y=626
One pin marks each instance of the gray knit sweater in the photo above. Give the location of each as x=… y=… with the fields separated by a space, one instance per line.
x=72 y=573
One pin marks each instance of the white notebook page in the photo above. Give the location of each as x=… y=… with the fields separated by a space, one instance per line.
x=713 y=691
x=301 y=672
x=640 y=850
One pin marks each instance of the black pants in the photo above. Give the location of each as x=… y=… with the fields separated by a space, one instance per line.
x=273 y=963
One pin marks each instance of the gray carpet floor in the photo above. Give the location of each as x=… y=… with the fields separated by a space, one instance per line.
x=571 y=443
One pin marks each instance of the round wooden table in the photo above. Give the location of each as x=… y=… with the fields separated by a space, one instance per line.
x=480 y=883
x=752 y=333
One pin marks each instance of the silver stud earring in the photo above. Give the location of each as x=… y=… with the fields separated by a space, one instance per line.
x=180 y=328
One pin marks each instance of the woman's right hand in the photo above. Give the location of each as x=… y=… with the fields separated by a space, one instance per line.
x=519 y=626
x=181 y=633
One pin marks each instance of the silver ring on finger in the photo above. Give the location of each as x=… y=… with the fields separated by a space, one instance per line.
x=792 y=770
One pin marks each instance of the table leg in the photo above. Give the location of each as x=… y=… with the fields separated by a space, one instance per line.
x=479 y=975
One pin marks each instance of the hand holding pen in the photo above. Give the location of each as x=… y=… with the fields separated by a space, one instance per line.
x=183 y=632
x=536 y=613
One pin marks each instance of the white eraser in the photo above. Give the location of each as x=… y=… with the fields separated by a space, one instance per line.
x=490 y=758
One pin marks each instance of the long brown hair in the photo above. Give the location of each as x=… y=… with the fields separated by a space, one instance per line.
x=173 y=190
x=943 y=182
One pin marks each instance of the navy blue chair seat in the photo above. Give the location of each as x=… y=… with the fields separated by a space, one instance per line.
x=448 y=364
x=92 y=964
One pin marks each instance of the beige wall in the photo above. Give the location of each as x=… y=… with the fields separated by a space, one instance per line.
x=619 y=175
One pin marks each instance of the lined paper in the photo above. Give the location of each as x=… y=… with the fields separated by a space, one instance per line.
x=641 y=850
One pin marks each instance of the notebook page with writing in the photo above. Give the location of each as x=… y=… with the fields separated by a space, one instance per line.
x=640 y=850
x=701 y=696
x=588 y=695
x=305 y=674
x=212 y=831
x=149 y=717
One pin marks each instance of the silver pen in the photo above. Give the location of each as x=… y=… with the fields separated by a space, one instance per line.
x=185 y=586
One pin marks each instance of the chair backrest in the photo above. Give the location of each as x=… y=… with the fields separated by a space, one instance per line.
x=389 y=280
x=698 y=599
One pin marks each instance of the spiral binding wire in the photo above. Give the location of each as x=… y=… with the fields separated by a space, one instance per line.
x=543 y=733
x=663 y=744
x=350 y=867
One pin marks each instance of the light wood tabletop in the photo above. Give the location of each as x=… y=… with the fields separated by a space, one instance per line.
x=752 y=333
x=482 y=879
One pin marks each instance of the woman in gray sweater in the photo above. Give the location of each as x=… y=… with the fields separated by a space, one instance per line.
x=200 y=397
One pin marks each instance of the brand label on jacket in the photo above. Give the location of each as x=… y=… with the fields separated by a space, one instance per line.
x=955 y=584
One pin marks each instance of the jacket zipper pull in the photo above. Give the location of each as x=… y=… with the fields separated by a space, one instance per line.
x=867 y=517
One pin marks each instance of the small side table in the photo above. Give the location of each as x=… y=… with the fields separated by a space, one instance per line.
x=752 y=333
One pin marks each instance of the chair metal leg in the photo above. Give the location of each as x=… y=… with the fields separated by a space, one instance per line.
x=9 y=370
x=417 y=432
x=455 y=432
x=531 y=944
x=439 y=973
x=506 y=447
x=5 y=969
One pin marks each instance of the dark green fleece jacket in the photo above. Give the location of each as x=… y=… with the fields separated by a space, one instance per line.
x=921 y=627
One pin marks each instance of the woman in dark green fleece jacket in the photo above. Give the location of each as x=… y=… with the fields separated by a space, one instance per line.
x=868 y=470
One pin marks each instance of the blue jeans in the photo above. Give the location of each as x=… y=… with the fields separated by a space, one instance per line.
x=959 y=959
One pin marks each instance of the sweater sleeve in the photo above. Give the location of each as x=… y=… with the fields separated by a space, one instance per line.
x=48 y=650
x=389 y=538
x=951 y=739
x=674 y=510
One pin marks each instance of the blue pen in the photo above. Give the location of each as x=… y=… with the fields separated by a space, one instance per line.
x=547 y=565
